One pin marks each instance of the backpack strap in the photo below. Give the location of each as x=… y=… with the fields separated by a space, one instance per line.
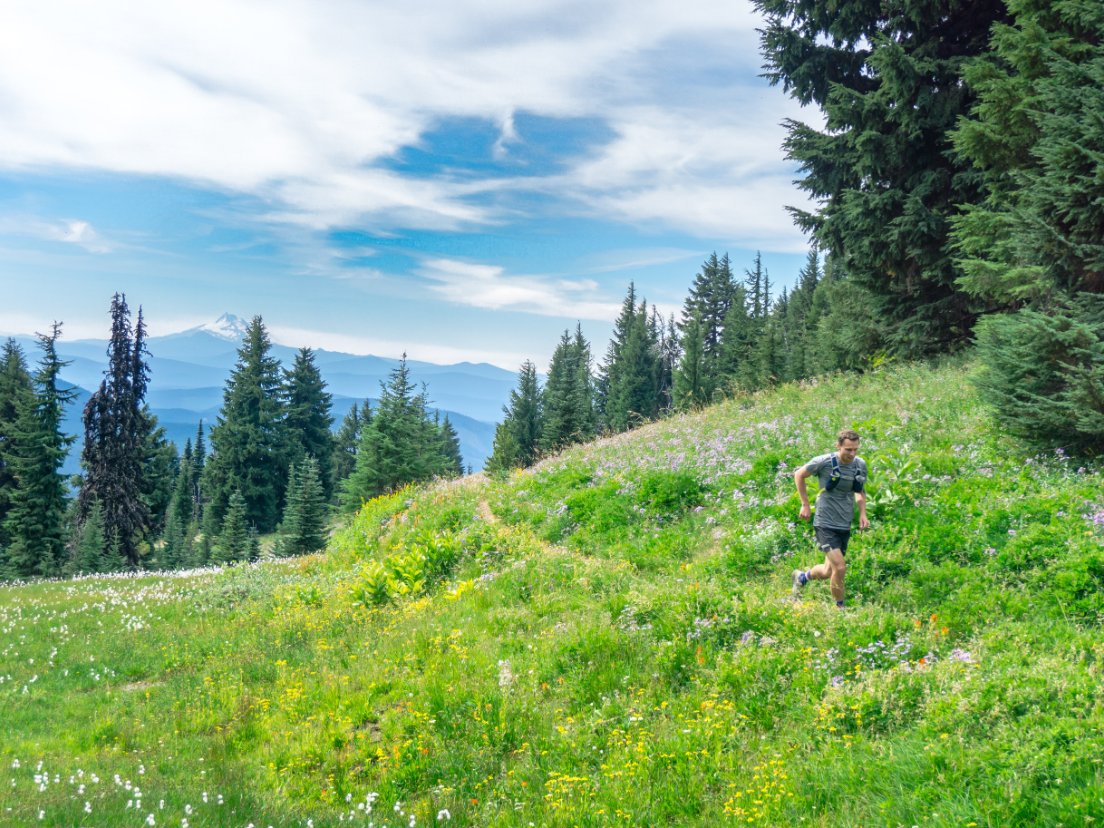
x=834 y=480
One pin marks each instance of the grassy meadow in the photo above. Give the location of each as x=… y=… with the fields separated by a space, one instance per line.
x=606 y=640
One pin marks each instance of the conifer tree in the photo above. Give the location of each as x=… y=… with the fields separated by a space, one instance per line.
x=248 y=443
x=400 y=445
x=234 y=541
x=568 y=396
x=91 y=544
x=121 y=447
x=691 y=389
x=524 y=420
x=889 y=81
x=309 y=419
x=35 y=523
x=303 y=529
x=505 y=453
x=1032 y=244
x=607 y=371
x=199 y=461
x=710 y=297
x=452 y=459
x=346 y=442
x=738 y=367
x=667 y=338
x=16 y=393
x=633 y=377
x=800 y=319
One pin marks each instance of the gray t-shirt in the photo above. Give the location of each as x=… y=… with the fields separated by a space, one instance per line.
x=836 y=508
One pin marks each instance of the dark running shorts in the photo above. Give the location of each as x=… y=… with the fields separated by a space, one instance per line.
x=827 y=538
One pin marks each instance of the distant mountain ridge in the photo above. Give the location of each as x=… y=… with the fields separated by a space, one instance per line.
x=189 y=370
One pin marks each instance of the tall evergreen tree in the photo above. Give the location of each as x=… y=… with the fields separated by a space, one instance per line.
x=568 y=396
x=889 y=80
x=667 y=336
x=607 y=371
x=303 y=528
x=235 y=541
x=633 y=378
x=346 y=442
x=120 y=445
x=248 y=443
x=800 y=318
x=452 y=460
x=1032 y=244
x=738 y=367
x=710 y=300
x=16 y=394
x=309 y=419
x=690 y=388
x=91 y=546
x=199 y=461
x=400 y=445
x=35 y=523
x=517 y=438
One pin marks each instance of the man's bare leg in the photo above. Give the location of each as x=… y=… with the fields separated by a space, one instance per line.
x=834 y=567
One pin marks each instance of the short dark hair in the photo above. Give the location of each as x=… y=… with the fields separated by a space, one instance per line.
x=847 y=434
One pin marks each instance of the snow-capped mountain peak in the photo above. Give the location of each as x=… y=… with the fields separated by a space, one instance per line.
x=228 y=326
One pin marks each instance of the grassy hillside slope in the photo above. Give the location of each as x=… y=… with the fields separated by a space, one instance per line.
x=605 y=640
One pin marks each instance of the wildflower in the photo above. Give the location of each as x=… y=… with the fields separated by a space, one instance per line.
x=443 y=815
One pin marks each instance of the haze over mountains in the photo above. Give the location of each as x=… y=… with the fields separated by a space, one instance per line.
x=189 y=369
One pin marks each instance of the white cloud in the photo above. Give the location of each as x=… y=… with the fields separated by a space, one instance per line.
x=490 y=287
x=302 y=104
x=67 y=231
x=423 y=351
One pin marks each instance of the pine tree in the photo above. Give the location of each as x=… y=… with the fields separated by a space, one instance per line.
x=91 y=544
x=453 y=460
x=633 y=396
x=309 y=419
x=35 y=523
x=16 y=394
x=248 y=444
x=691 y=389
x=400 y=445
x=889 y=81
x=607 y=371
x=303 y=529
x=667 y=338
x=568 y=396
x=346 y=442
x=710 y=300
x=199 y=461
x=738 y=367
x=234 y=542
x=524 y=419
x=505 y=453
x=799 y=322
x=120 y=444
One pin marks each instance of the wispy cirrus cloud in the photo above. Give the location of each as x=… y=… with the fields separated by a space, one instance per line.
x=492 y=288
x=75 y=232
x=304 y=105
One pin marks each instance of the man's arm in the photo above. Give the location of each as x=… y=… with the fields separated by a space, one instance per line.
x=799 y=478
x=860 y=498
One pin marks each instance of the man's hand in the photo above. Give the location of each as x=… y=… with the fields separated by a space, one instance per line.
x=806 y=512
x=863 y=522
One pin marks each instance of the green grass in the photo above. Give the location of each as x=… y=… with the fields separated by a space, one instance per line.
x=606 y=640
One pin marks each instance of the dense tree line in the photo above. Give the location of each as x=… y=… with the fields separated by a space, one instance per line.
x=958 y=181
x=733 y=336
x=270 y=464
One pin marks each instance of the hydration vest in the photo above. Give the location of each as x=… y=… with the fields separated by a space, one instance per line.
x=833 y=481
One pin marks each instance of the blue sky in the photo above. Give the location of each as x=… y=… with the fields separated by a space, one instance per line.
x=459 y=181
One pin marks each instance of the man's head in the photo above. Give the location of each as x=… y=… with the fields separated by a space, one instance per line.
x=847 y=443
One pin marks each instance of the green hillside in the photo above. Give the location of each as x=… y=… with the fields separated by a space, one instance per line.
x=606 y=639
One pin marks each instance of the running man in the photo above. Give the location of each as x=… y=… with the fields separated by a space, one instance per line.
x=842 y=475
